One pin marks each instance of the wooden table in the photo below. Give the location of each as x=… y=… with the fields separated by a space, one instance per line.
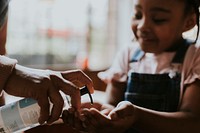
x=56 y=128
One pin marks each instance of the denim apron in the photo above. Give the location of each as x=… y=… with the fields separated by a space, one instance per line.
x=158 y=92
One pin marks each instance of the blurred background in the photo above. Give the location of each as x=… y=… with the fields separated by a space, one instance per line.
x=68 y=34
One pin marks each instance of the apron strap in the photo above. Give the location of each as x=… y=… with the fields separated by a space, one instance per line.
x=137 y=55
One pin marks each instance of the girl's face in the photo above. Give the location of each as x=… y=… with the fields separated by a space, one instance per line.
x=158 y=24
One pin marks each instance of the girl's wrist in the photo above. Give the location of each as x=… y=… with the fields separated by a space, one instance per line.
x=136 y=114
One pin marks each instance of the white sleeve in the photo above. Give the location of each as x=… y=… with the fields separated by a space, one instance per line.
x=191 y=66
x=119 y=69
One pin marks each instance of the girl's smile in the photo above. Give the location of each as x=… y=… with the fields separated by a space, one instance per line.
x=146 y=38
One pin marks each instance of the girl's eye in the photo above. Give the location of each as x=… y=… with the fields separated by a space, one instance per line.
x=159 y=21
x=137 y=16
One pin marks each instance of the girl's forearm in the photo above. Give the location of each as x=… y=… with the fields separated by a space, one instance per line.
x=162 y=122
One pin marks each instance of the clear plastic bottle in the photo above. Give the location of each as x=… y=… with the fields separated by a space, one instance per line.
x=19 y=116
x=23 y=114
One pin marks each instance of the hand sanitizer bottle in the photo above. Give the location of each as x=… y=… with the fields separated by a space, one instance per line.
x=18 y=116
x=23 y=114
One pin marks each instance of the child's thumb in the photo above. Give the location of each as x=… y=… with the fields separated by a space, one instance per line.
x=117 y=114
x=113 y=116
x=121 y=111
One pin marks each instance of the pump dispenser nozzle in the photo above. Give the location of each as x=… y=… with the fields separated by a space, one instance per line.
x=84 y=90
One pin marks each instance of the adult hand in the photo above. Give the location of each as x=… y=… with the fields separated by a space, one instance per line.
x=44 y=86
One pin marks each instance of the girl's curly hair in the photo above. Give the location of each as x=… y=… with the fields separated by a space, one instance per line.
x=193 y=5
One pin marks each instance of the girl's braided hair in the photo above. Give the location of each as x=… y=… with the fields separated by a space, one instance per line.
x=194 y=5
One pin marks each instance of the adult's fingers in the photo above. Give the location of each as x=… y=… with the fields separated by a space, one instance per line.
x=69 y=89
x=43 y=102
x=79 y=78
x=57 y=105
x=65 y=116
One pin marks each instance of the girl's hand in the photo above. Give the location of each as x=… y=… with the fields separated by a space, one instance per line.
x=73 y=118
x=103 y=108
x=125 y=111
x=119 y=119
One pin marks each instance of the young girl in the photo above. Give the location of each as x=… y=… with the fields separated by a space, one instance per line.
x=159 y=75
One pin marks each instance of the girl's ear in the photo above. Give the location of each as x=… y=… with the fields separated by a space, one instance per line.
x=190 y=22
